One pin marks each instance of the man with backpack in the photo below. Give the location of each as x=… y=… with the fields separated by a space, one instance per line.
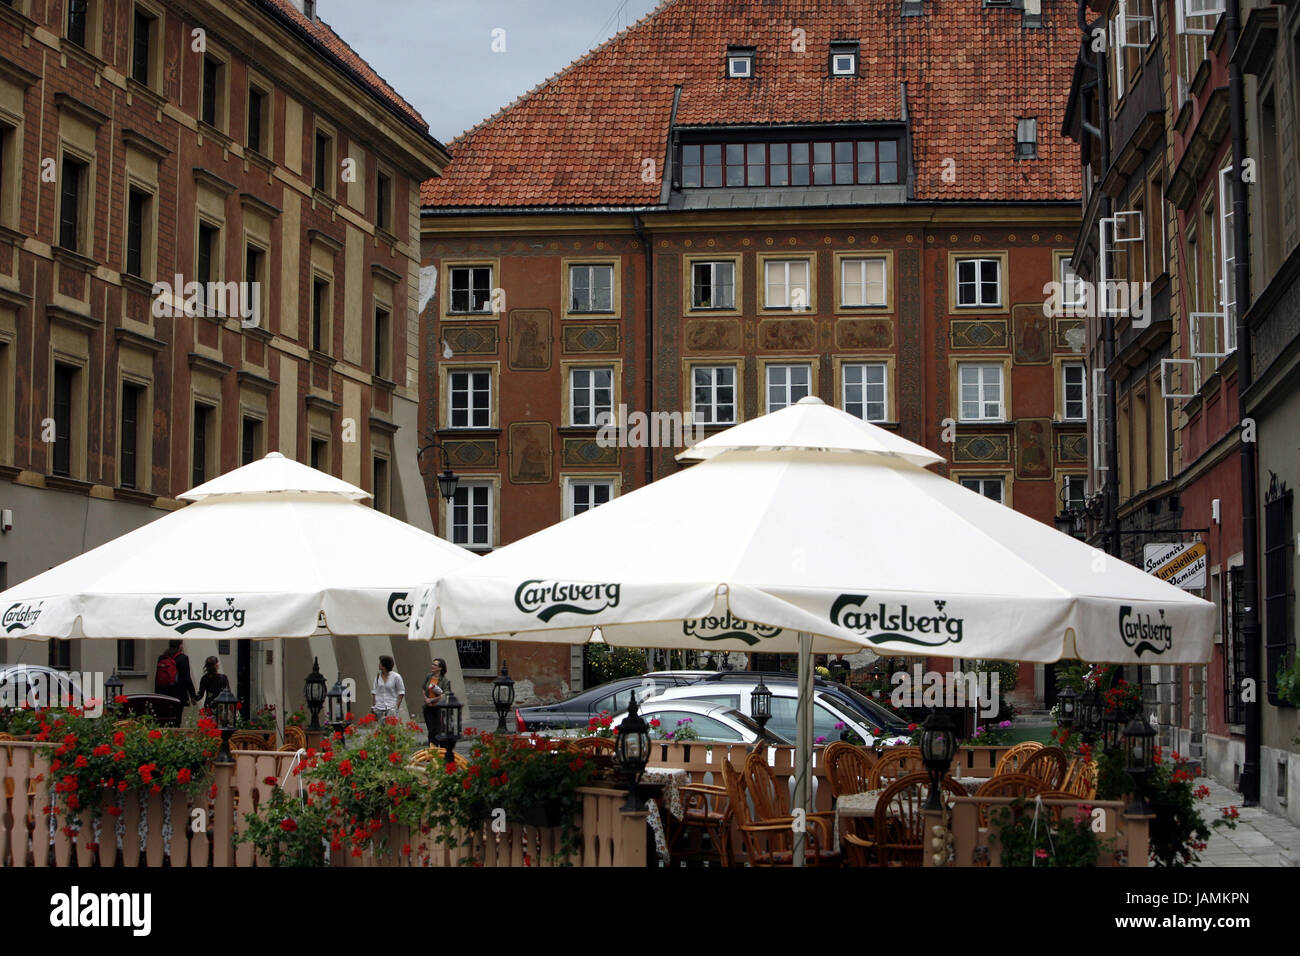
x=173 y=678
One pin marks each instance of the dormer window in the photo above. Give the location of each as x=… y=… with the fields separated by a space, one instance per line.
x=740 y=62
x=1027 y=138
x=844 y=58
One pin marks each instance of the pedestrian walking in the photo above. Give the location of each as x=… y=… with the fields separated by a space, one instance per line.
x=434 y=688
x=212 y=683
x=172 y=678
x=388 y=690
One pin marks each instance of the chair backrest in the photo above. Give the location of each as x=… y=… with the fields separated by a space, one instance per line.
x=1081 y=778
x=1007 y=785
x=770 y=798
x=594 y=745
x=243 y=740
x=849 y=769
x=893 y=764
x=735 y=784
x=900 y=821
x=1013 y=759
x=296 y=736
x=1048 y=765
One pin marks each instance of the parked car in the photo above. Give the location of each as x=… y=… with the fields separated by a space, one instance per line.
x=27 y=685
x=832 y=704
x=712 y=723
x=612 y=696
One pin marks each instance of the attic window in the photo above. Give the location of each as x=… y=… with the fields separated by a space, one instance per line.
x=309 y=10
x=740 y=62
x=1027 y=138
x=998 y=3
x=844 y=59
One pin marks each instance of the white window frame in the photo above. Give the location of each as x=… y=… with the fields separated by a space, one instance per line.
x=471 y=541
x=451 y=290
x=714 y=386
x=591 y=285
x=1166 y=378
x=591 y=407
x=1027 y=135
x=1204 y=11
x=865 y=386
x=1227 y=261
x=733 y=59
x=865 y=283
x=982 y=480
x=982 y=369
x=712 y=266
x=1070 y=282
x=784 y=370
x=1082 y=383
x=1125 y=226
x=1071 y=479
x=1126 y=22
x=470 y=407
x=980 y=282
x=786 y=286
x=571 y=485
x=852 y=58
x=1099 y=461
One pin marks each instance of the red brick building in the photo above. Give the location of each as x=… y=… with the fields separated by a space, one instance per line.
x=731 y=205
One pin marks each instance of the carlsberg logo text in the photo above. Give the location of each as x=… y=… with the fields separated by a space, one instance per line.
x=19 y=617
x=399 y=608
x=1145 y=633
x=183 y=618
x=881 y=622
x=546 y=599
x=727 y=627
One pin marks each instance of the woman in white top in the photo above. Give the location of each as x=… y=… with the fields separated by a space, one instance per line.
x=388 y=689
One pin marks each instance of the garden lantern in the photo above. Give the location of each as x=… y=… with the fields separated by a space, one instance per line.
x=1139 y=758
x=760 y=704
x=336 y=706
x=315 y=690
x=447 y=482
x=225 y=707
x=938 y=747
x=633 y=752
x=840 y=670
x=1112 y=724
x=112 y=689
x=1090 y=711
x=1067 y=702
x=503 y=696
x=447 y=717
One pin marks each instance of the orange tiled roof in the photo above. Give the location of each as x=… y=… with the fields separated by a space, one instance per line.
x=579 y=139
x=347 y=57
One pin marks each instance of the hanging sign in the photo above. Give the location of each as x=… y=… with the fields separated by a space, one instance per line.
x=1181 y=564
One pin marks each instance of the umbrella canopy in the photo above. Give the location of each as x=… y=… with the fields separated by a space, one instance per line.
x=856 y=547
x=271 y=550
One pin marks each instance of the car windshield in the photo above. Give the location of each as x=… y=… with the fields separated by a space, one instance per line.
x=752 y=726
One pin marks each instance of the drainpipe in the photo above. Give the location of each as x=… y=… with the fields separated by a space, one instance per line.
x=1250 y=767
x=647 y=253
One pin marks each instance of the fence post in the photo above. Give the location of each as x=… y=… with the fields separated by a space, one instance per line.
x=223 y=823
x=631 y=838
x=1137 y=838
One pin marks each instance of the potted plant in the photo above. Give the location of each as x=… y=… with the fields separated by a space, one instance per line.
x=1288 y=682
x=1032 y=838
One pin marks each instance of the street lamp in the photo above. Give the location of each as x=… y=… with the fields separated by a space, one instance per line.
x=225 y=706
x=840 y=670
x=760 y=704
x=503 y=696
x=448 y=480
x=633 y=752
x=315 y=689
x=1090 y=710
x=1075 y=511
x=112 y=689
x=336 y=706
x=1066 y=703
x=447 y=717
x=1139 y=758
x=938 y=747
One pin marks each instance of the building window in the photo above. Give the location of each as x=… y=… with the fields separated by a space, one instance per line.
x=988 y=487
x=142 y=27
x=585 y=494
x=862 y=282
x=1073 y=292
x=383 y=202
x=786 y=284
x=258 y=117
x=320 y=454
x=471 y=289
x=379 y=484
x=205 y=265
x=250 y=441
x=1234 y=654
x=1027 y=138
x=61 y=655
x=126 y=657
x=591 y=395
x=979 y=283
x=471 y=399
x=383 y=343
x=713 y=285
x=65 y=377
x=137 y=223
x=324 y=163
x=841 y=162
x=844 y=59
x=254 y=279
x=8 y=175
x=320 y=303
x=1227 y=260
x=129 y=457
x=200 y=444
x=471 y=516
x=78 y=20
x=786 y=384
x=740 y=63
x=211 y=104
x=866 y=390
x=1074 y=398
x=981 y=392
x=713 y=390
x=72 y=187
x=1279 y=585
x=1074 y=491
x=591 y=288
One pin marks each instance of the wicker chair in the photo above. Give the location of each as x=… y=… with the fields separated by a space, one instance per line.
x=242 y=740
x=1081 y=778
x=1048 y=765
x=295 y=736
x=1007 y=785
x=848 y=768
x=767 y=832
x=706 y=809
x=1014 y=759
x=893 y=764
x=593 y=745
x=900 y=821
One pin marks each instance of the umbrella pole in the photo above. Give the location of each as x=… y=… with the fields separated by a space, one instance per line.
x=803 y=745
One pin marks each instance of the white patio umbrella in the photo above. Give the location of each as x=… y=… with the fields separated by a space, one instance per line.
x=809 y=529
x=274 y=549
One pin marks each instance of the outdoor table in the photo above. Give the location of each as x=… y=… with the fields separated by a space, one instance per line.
x=668 y=781
x=856 y=806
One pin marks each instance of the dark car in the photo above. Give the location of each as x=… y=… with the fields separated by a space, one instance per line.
x=612 y=696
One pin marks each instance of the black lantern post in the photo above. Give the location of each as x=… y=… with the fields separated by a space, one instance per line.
x=225 y=707
x=633 y=752
x=938 y=747
x=448 y=480
x=112 y=690
x=760 y=704
x=1139 y=758
x=447 y=724
x=1067 y=702
x=1090 y=712
x=336 y=706
x=840 y=670
x=503 y=696
x=315 y=690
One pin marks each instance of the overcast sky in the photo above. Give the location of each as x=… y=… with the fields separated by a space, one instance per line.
x=438 y=54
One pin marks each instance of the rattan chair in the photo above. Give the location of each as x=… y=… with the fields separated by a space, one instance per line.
x=706 y=810
x=1048 y=765
x=1007 y=785
x=243 y=740
x=767 y=830
x=294 y=736
x=593 y=745
x=894 y=764
x=848 y=768
x=1014 y=759
x=900 y=821
x=1081 y=778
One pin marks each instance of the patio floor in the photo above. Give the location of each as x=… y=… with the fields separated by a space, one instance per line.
x=1260 y=839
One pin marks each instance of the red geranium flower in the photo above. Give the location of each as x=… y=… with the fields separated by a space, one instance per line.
x=345 y=768
x=270 y=781
x=80 y=761
x=469 y=782
x=362 y=755
x=184 y=775
x=114 y=811
x=288 y=825
x=119 y=755
x=394 y=758
x=103 y=750
x=119 y=738
x=155 y=735
x=122 y=787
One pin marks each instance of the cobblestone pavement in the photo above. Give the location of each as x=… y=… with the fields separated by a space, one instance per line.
x=1260 y=839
